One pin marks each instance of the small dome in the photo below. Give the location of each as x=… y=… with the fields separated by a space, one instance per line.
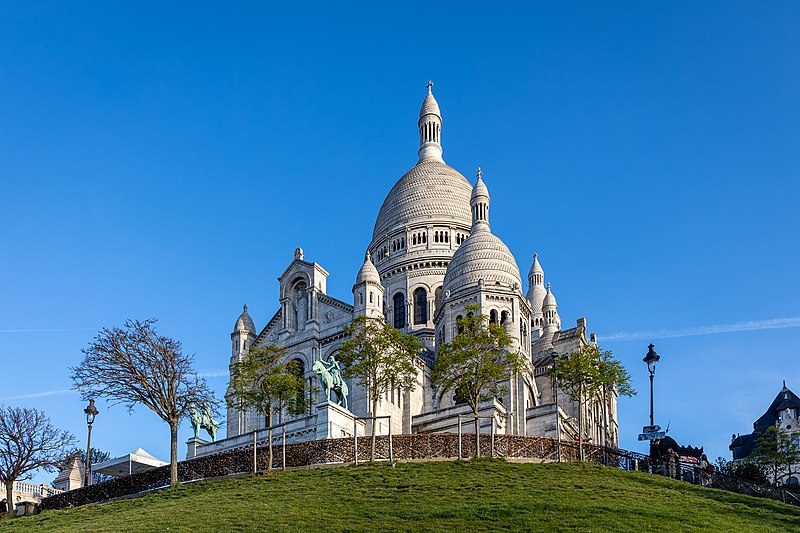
x=549 y=299
x=482 y=256
x=479 y=190
x=244 y=322
x=429 y=107
x=536 y=267
x=368 y=272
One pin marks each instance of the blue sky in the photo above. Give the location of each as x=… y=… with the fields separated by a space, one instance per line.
x=165 y=160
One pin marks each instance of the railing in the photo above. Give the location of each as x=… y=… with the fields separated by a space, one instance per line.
x=41 y=491
x=406 y=447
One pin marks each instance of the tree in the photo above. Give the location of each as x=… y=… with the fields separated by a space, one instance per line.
x=28 y=442
x=586 y=374
x=744 y=469
x=777 y=453
x=95 y=456
x=265 y=381
x=379 y=357
x=476 y=362
x=135 y=365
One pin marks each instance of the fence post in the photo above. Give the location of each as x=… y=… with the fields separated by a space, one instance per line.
x=459 y=437
x=283 y=451
x=391 y=454
x=491 y=448
x=255 y=447
x=355 y=441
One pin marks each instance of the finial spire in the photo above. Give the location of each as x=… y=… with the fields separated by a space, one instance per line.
x=429 y=85
x=430 y=128
x=368 y=256
x=245 y=307
x=480 y=173
x=548 y=286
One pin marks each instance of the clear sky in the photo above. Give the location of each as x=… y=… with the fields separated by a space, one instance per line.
x=164 y=160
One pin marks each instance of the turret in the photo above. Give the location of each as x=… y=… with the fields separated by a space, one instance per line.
x=479 y=201
x=368 y=291
x=430 y=129
x=552 y=322
x=535 y=296
x=243 y=336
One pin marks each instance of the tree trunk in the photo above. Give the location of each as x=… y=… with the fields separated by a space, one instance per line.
x=10 y=496
x=477 y=431
x=374 y=424
x=173 y=453
x=269 y=436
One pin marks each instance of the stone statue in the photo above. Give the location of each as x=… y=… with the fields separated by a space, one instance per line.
x=300 y=309
x=203 y=419
x=331 y=377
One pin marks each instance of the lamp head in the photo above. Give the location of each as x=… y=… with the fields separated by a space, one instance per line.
x=651 y=359
x=90 y=412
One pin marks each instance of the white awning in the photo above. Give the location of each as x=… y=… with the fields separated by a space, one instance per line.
x=125 y=465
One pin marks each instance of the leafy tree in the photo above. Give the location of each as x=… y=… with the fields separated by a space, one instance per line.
x=28 y=442
x=744 y=469
x=476 y=362
x=265 y=381
x=135 y=365
x=95 y=456
x=379 y=357
x=777 y=453
x=586 y=374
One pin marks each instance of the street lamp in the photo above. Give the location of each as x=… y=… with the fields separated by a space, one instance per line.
x=90 y=412
x=651 y=359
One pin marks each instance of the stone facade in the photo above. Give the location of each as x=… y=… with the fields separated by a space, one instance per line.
x=432 y=253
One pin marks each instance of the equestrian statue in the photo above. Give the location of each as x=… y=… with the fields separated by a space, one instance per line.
x=203 y=419
x=331 y=377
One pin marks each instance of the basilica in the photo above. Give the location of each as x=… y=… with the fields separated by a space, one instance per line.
x=432 y=254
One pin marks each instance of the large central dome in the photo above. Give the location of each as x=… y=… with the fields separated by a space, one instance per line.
x=431 y=192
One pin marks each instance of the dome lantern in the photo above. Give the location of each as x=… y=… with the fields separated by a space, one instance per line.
x=430 y=129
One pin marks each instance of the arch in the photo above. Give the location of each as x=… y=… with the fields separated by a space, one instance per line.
x=437 y=298
x=504 y=317
x=420 y=306
x=493 y=316
x=399 y=320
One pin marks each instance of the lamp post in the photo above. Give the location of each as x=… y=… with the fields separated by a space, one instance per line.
x=651 y=359
x=90 y=412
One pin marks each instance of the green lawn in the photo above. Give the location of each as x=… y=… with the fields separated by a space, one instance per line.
x=435 y=496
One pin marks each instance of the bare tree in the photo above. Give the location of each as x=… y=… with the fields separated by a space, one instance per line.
x=28 y=442
x=135 y=365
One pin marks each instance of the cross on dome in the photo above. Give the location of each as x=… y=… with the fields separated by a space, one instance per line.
x=429 y=85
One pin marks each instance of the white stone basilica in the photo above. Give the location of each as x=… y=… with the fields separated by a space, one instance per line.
x=432 y=253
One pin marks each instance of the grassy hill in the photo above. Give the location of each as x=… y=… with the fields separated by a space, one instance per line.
x=436 y=496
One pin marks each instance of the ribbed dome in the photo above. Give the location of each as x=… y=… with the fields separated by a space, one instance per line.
x=368 y=272
x=481 y=256
x=244 y=322
x=536 y=299
x=430 y=107
x=431 y=192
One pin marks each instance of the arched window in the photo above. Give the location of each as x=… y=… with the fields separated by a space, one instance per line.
x=459 y=318
x=420 y=306
x=493 y=317
x=370 y=296
x=503 y=317
x=437 y=298
x=298 y=369
x=399 y=310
